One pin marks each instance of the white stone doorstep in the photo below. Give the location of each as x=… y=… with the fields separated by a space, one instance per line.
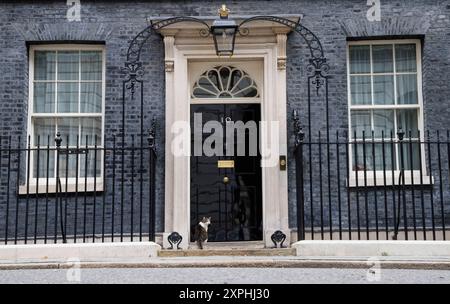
x=79 y=252
x=372 y=248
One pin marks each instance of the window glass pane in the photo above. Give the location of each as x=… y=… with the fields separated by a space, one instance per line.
x=44 y=65
x=44 y=97
x=91 y=65
x=359 y=59
x=205 y=87
x=383 y=87
x=45 y=162
x=68 y=127
x=67 y=97
x=411 y=157
x=407 y=89
x=244 y=83
x=382 y=160
x=46 y=130
x=383 y=120
x=408 y=121
x=382 y=59
x=235 y=78
x=68 y=62
x=361 y=122
x=89 y=165
x=200 y=93
x=212 y=79
x=405 y=58
x=224 y=78
x=91 y=98
x=67 y=166
x=248 y=92
x=361 y=91
x=384 y=156
x=361 y=160
x=91 y=127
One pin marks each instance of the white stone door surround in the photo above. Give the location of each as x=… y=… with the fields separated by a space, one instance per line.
x=266 y=43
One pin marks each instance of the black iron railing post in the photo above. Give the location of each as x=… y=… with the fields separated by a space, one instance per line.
x=36 y=203
x=411 y=171
x=299 y=141
x=58 y=141
x=132 y=190
x=152 y=182
x=77 y=174
x=430 y=173
x=8 y=178
x=401 y=188
x=27 y=202
x=441 y=181
x=16 y=223
x=113 y=188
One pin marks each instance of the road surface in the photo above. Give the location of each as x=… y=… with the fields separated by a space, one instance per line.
x=224 y=275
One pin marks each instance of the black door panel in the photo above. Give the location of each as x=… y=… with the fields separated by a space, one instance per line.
x=235 y=206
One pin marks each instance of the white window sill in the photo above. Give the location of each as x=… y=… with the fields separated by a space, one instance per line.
x=380 y=181
x=71 y=188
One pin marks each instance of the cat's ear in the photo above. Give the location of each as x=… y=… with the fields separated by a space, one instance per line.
x=209 y=218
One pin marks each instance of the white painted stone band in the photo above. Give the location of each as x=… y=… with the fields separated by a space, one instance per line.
x=96 y=251
x=373 y=248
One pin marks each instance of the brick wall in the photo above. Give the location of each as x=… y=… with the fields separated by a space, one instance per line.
x=115 y=23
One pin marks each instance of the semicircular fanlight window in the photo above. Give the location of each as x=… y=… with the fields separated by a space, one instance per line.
x=225 y=82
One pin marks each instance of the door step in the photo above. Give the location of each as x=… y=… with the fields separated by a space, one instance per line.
x=228 y=252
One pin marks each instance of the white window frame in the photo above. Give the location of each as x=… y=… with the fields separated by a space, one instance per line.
x=31 y=188
x=371 y=178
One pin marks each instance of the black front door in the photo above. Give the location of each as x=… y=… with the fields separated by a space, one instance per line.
x=223 y=187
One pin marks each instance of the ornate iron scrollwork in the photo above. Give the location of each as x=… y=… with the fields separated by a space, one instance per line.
x=284 y=21
x=133 y=65
x=278 y=237
x=135 y=71
x=310 y=38
x=243 y=31
x=174 y=239
x=166 y=22
x=317 y=68
x=134 y=50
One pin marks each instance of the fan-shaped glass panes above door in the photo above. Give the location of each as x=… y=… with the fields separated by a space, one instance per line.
x=225 y=82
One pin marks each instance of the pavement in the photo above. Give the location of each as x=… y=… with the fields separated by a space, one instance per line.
x=199 y=276
x=385 y=262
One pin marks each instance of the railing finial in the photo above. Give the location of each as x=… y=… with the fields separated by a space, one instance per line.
x=400 y=133
x=58 y=140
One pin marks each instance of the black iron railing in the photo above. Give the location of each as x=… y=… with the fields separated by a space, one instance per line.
x=362 y=188
x=54 y=192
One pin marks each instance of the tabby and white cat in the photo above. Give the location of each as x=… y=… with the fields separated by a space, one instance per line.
x=201 y=231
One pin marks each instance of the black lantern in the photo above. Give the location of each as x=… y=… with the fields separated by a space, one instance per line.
x=224 y=33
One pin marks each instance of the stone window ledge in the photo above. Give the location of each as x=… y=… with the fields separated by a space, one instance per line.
x=32 y=188
x=380 y=181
